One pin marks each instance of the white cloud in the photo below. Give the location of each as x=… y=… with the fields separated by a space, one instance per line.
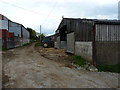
x=49 y=12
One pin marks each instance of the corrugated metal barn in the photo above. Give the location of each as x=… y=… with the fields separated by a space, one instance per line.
x=97 y=41
x=16 y=29
x=25 y=35
x=12 y=34
x=4 y=31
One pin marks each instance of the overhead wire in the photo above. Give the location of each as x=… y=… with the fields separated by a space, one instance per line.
x=47 y=15
x=51 y=10
x=27 y=9
x=55 y=4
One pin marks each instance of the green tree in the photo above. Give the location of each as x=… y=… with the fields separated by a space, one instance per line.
x=42 y=36
x=33 y=35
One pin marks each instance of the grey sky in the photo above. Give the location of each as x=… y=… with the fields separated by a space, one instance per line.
x=119 y=11
x=48 y=13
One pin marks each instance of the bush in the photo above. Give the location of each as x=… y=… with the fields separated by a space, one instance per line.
x=0 y=49
x=79 y=60
x=4 y=49
x=37 y=44
x=27 y=44
x=109 y=68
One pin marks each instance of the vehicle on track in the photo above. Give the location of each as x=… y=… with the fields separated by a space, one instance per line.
x=48 y=42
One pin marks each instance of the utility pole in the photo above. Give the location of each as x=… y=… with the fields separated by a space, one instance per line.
x=40 y=33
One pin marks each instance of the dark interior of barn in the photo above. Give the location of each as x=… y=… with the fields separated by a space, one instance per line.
x=63 y=33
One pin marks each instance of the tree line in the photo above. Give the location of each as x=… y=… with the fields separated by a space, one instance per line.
x=35 y=36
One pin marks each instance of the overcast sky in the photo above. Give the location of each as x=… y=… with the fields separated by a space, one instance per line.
x=48 y=13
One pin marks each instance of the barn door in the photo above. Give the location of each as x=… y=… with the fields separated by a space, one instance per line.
x=58 y=42
x=70 y=43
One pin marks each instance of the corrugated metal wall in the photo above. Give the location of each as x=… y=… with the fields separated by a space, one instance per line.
x=107 y=44
x=0 y=43
x=17 y=41
x=25 y=35
x=0 y=37
x=17 y=34
x=0 y=34
x=10 y=43
x=4 y=36
x=16 y=28
x=4 y=23
x=107 y=32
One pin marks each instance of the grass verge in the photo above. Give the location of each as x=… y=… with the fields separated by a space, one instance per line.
x=78 y=60
x=37 y=44
x=109 y=68
x=4 y=49
x=27 y=44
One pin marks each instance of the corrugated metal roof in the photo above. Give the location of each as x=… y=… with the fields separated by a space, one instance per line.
x=101 y=21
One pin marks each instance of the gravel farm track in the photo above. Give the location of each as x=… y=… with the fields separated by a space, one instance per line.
x=28 y=67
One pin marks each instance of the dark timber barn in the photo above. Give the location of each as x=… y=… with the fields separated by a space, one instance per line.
x=97 y=41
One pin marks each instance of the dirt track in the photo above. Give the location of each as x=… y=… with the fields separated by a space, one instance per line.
x=24 y=67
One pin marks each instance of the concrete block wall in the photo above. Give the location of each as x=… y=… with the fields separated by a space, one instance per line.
x=84 y=49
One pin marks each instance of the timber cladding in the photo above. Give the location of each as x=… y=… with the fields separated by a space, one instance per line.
x=84 y=30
